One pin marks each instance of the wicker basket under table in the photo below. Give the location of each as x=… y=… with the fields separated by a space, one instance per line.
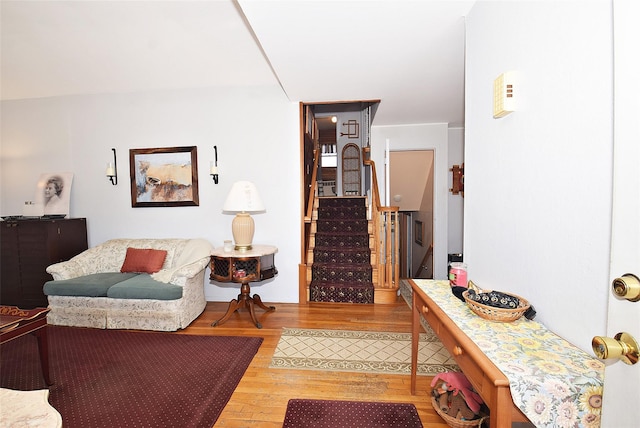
x=454 y=422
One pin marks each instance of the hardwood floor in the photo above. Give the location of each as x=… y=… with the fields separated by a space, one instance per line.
x=260 y=400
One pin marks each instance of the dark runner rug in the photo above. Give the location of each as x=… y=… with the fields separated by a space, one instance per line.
x=111 y=378
x=350 y=414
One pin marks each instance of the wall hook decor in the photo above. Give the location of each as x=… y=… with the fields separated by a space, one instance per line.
x=112 y=169
x=457 y=172
x=353 y=129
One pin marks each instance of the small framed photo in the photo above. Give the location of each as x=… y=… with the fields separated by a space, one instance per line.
x=164 y=177
x=418 y=232
x=53 y=195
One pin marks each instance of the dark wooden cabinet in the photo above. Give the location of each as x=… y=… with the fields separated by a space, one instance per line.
x=28 y=247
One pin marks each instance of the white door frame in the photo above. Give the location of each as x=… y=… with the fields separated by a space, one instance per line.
x=622 y=382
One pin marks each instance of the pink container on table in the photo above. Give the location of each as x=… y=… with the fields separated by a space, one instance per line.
x=458 y=274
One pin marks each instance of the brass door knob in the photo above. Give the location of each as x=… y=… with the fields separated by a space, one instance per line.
x=627 y=287
x=622 y=346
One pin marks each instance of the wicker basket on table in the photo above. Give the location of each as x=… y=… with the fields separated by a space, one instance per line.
x=494 y=313
x=455 y=422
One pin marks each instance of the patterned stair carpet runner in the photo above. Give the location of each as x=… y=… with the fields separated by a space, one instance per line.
x=341 y=270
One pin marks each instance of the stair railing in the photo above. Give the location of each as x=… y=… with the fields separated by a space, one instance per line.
x=386 y=231
x=313 y=186
x=306 y=229
x=313 y=189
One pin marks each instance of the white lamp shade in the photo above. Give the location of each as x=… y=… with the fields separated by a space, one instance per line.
x=243 y=197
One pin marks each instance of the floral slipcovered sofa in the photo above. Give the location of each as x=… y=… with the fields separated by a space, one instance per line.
x=144 y=284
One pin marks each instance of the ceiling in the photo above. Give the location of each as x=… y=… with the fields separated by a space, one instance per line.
x=408 y=54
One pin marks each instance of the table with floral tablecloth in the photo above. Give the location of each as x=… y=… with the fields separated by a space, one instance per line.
x=554 y=383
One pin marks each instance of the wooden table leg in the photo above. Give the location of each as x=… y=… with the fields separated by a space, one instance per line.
x=258 y=301
x=43 y=349
x=245 y=300
x=415 y=335
x=234 y=305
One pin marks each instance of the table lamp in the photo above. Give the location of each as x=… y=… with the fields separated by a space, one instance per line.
x=243 y=199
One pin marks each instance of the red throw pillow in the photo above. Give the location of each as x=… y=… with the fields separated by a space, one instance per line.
x=143 y=260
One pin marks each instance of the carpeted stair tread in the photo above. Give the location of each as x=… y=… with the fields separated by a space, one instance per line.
x=341 y=212
x=342 y=266
x=341 y=292
x=341 y=273
x=346 y=284
x=340 y=240
x=343 y=233
x=341 y=202
x=348 y=255
x=343 y=225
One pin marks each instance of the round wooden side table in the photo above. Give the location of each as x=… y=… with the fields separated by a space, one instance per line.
x=244 y=267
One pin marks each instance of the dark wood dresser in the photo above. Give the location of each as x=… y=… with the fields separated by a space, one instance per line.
x=28 y=247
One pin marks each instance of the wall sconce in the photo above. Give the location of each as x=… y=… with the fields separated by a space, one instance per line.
x=112 y=169
x=213 y=169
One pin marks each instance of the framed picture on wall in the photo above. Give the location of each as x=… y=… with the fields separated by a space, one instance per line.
x=418 y=232
x=164 y=177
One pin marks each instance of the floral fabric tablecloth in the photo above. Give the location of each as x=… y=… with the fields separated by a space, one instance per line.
x=554 y=383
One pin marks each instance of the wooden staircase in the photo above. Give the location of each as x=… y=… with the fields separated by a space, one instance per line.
x=383 y=230
x=382 y=294
x=340 y=256
x=314 y=229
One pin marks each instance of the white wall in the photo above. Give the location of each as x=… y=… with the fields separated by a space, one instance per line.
x=420 y=137
x=538 y=181
x=455 y=203
x=255 y=129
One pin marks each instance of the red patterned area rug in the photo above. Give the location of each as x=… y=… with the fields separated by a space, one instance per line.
x=350 y=414
x=111 y=378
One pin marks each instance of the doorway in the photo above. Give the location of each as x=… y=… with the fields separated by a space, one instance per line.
x=328 y=145
x=411 y=179
x=351 y=170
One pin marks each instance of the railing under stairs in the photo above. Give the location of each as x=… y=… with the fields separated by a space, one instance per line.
x=386 y=238
x=384 y=242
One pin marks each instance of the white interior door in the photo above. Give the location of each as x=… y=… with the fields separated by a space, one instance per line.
x=621 y=407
